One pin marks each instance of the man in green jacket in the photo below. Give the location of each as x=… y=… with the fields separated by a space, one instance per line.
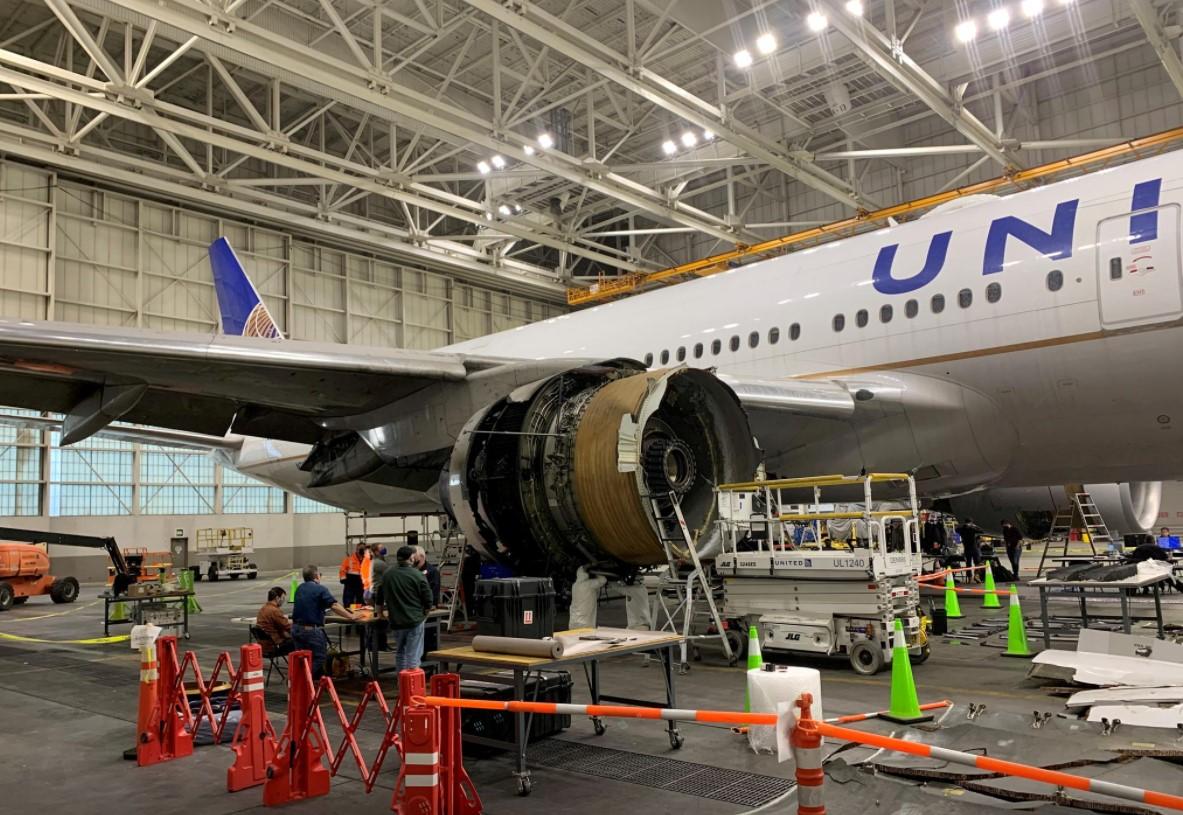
x=406 y=598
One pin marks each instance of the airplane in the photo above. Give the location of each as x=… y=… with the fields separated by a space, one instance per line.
x=992 y=347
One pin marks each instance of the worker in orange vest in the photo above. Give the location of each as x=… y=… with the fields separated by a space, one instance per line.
x=355 y=576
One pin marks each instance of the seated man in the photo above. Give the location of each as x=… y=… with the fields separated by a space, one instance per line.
x=275 y=624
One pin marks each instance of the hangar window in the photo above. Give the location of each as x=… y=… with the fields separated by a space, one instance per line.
x=993 y=292
x=938 y=303
x=911 y=309
x=716 y=347
x=885 y=313
x=773 y=335
x=965 y=298
x=860 y=318
x=681 y=353
x=1055 y=280
x=753 y=339
x=734 y=343
x=698 y=350
x=839 y=322
x=794 y=331
x=649 y=360
x=665 y=356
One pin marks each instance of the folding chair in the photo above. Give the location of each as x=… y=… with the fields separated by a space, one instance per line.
x=273 y=657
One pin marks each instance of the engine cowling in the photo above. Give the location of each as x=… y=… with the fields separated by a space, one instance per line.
x=578 y=467
x=1127 y=507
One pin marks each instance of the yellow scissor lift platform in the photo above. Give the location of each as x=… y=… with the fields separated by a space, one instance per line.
x=819 y=596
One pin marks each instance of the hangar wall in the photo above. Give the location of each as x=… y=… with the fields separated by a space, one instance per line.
x=75 y=252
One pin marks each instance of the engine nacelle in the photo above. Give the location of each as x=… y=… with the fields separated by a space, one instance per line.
x=1127 y=508
x=576 y=468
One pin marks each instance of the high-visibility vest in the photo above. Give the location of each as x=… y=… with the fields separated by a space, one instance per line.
x=352 y=565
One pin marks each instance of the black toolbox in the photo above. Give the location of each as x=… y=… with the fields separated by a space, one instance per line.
x=515 y=607
x=551 y=686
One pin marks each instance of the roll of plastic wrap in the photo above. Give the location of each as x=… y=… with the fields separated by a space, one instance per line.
x=784 y=684
x=518 y=647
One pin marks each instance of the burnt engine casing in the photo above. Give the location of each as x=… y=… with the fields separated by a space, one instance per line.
x=579 y=468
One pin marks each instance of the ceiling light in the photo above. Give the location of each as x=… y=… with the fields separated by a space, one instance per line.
x=1066 y=2
x=668 y=147
x=689 y=139
x=998 y=19
x=504 y=210
x=966 y=31
x=743 y=58
x=854 y=8
x=817 y=22
x=545 y=141
x=766 y=43
x=483 y=167
x=1032 y=8
x=528 y=149
x=498 y=162
x=708 y=135
x=517 y=207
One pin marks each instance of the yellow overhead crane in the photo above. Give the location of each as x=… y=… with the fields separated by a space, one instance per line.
x=608 y=287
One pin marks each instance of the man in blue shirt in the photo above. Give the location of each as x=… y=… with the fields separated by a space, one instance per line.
x=309 y=605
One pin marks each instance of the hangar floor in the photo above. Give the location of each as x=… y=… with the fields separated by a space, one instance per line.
x=68 y=712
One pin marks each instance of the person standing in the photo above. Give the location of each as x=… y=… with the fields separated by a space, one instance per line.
x=275 y=624
x=355 y=576
x=377 y=569
x=431 y=572
x=309 y=605
x=1014 y=546
x=406 y=598
x=969 y=532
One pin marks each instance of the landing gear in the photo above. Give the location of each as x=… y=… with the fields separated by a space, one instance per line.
x=525 y=784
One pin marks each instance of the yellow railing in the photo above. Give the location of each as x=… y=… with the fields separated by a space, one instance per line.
x=811 y=481
x=836 y=516
x=609 y=287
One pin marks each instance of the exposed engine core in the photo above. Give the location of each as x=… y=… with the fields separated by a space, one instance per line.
x=1128 y=507
x=577 y=468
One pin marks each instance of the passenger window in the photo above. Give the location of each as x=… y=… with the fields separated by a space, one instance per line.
x=794 y=331
x=665 y=357
x=938 y=303
x=681 y=353
x=993 y=292
x=649 y=360
x=773 y=335
x=861 y=318
x=965 y=298
x=1055 y=280
x=753 y=339
x=839 y=322
x=911 y=309
x=734 y=344
x=716 y=347
x=698 y=350
x=885 y=313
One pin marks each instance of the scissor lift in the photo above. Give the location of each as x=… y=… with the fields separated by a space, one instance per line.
x=815 y=597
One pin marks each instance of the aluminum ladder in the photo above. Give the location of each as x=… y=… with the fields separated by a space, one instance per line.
x=1080 y=507
x=695 y=588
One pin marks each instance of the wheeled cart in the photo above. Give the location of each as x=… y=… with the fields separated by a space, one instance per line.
x=225 y=553
x=811 y=594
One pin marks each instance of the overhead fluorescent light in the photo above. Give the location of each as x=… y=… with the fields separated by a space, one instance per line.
x=966 y=31
x=817 y=22
x=528 y=149
x=545 y=141
x=504 y=210
x=689 y=139
x=743 y=58
x=498 y=162
x=708 y=135
x=1032 y=8
x=766 y=43
x=998 y=19
x=483 y=167
x=854 y=8
x=668 y=147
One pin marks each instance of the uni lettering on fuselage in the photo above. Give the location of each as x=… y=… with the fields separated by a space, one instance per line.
x=1055 y=244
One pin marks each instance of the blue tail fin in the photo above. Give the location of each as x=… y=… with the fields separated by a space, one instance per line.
x=244 y=313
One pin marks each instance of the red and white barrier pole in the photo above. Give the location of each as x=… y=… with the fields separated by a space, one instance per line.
x=254 y=738
x=417 y=791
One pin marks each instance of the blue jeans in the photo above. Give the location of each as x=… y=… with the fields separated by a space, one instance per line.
x=409 y=642
x=307 y=638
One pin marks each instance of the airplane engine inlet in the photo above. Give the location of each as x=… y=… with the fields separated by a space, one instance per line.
x=573 y=469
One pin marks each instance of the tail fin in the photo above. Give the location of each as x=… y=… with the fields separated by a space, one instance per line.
x=244 y=313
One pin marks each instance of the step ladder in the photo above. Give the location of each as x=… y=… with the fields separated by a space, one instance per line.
x=451 y=564
x=693 y=595
x=1080 y=513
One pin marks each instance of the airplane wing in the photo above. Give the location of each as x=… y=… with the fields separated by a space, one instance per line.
x=143 y=435
x=203 y=383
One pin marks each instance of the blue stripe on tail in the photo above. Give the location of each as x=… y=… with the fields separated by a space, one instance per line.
x=243 y=311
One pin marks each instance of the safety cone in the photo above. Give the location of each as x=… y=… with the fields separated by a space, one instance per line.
x=118 y=613
x=990 y=598
x=185 y=581
x=292 y=592
x=755 y=660
x=952 y=607
x=905 y=704
x=1016 y=633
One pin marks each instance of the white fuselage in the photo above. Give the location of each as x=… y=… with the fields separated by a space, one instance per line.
x=1061 y=308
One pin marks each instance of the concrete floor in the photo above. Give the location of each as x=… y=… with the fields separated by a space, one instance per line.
x=67 y=712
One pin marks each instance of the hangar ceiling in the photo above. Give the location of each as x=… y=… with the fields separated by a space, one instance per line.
x=537 y=144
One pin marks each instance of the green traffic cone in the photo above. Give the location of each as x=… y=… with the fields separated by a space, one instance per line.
x=990 y=598
x=118 y=613
x=905 y=705
x=755 y=660
x=952 y=606
x=185 y=581
x=292 y=590
x=1016 y=634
